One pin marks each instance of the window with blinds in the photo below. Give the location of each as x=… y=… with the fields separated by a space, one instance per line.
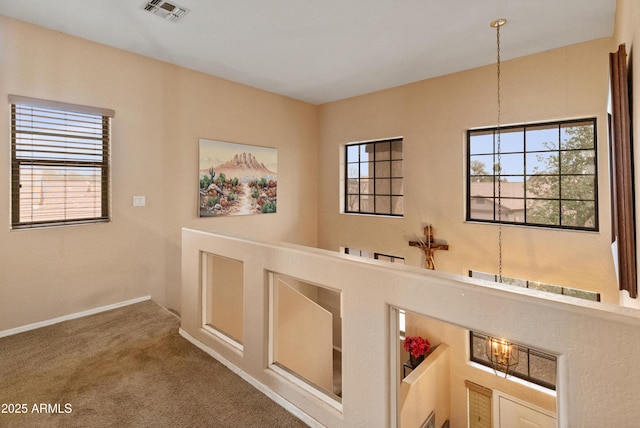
x=479 y=405
x=59 y=163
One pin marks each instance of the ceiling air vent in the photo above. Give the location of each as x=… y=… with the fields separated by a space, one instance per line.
x=166 y=10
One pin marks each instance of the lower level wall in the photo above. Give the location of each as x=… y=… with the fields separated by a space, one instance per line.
x=596 y=343
x=426 y=390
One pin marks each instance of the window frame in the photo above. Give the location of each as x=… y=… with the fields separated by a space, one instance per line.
x=375 y=211
x=389 y=258
x=52 y=157
x=577 y=293
x=526 y=198
x=525 y=352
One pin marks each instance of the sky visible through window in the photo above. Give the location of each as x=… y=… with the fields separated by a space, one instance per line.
x=541 y=143
x=547 y=174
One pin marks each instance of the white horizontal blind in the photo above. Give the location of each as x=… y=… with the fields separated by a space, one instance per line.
x=60 y=166
x=479 y=405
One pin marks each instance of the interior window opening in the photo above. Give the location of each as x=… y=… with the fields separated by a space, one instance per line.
x=298 y=307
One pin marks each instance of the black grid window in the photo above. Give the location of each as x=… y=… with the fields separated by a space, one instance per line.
x=388 y=258
x=536 y=285
x=59 y=163
x=541 y=175
x=374 y=182
x=534 y=366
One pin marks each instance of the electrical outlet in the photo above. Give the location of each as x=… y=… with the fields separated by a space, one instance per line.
x=139 y=201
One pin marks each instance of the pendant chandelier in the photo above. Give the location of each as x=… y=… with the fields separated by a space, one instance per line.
x=503 y=355
x=497 y=24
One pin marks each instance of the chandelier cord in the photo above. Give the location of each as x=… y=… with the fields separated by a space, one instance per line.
x=499 y=160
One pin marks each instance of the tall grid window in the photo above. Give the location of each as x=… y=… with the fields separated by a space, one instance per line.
x=374 y=182
x=543 y=175
x=59 y=163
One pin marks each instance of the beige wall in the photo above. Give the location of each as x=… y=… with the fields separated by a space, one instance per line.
x=161 y=112
x=309 y=356
x=433 y=116
x=223 y=289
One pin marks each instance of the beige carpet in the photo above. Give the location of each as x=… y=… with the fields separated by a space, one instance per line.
x=124 y=368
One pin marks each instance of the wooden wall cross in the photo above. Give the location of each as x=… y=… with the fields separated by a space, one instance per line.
x=429 y=247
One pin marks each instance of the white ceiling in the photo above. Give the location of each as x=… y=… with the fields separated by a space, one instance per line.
x=325 y=50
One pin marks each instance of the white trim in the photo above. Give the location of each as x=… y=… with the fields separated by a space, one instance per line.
x=57 y=320
x=273 y=338
x=322 y=395
x=223 y=337
x=255 y=383
x=302 y=384
x=56 y=105
x=495 y=407
x=394 y=372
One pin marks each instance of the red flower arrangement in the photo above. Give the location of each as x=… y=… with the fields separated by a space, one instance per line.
x=417 y=346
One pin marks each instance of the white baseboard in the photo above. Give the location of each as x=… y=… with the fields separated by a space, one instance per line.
x=57 y=320
x=256 y=384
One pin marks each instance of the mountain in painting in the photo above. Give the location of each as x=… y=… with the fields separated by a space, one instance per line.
x=242 y=165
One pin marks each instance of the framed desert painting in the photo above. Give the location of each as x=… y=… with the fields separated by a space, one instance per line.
x=236 y=179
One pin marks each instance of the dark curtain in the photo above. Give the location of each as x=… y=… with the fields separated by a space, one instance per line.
x=622 y=195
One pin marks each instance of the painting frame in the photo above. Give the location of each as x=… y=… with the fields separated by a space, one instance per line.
x=236 y=179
